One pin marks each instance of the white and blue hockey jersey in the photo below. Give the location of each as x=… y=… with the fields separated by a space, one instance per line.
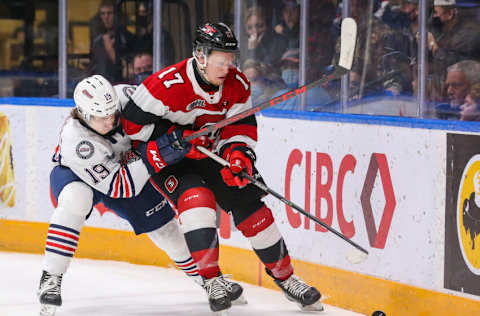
x=106 y=163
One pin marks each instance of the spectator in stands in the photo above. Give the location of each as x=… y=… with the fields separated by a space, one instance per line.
x=263 y=43
x=111 y=50
x=403 y=18
x=321 y=38
x=457 y=39
x=144 y=34
x=264 y=82
x=460 y=78
x=289 y=26
x=142 y=66
x=381 y=58
x=316 y=96
x=470 y=110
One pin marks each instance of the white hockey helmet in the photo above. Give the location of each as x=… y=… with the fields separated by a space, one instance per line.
x=95 y=96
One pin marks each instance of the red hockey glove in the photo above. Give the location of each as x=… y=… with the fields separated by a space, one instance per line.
x=203 y=141
x=241 y=158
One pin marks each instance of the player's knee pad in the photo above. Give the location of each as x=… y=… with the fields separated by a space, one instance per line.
x=171 y=240
x=77 y=198
x=260 y=228
x=197 y=209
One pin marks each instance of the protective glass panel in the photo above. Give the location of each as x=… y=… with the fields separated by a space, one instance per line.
x=29 y=48
x=384 y=64
x=453 y=82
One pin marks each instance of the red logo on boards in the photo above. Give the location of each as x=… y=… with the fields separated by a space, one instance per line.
x=333 y=195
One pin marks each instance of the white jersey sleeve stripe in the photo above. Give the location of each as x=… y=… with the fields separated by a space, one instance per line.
x=147 y=102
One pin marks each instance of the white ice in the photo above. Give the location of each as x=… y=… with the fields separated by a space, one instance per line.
x=110 y=288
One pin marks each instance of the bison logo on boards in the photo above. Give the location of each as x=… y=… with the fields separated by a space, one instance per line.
x=462 y=214
x=468 y=214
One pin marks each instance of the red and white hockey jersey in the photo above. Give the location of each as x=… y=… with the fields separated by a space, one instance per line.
x=173 y=95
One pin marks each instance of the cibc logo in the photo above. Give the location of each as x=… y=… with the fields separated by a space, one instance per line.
x=468 y=214
x=378 y=165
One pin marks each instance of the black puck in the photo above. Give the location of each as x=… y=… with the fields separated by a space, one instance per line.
x=378 y=313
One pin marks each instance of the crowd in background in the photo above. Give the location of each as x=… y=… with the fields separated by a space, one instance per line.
x=385 y=61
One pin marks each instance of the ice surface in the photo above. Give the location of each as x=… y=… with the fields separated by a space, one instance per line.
x=110 y=288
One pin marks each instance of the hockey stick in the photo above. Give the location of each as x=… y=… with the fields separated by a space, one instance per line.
x=266 y=189
x=348 y=37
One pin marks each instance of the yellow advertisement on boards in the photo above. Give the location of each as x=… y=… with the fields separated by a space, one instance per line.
x=7 y=175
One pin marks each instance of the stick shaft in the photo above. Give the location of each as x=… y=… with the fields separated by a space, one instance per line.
x=263 y=187
x=337 y=73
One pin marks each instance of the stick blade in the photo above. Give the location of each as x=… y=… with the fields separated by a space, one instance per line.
x=348 y=38
x=355 y=256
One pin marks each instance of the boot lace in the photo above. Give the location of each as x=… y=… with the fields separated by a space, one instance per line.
x=295 y=286
x=50 y=284
x=215 y=288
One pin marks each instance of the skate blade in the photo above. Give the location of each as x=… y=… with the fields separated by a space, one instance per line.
x=315 y=307
x=240 y=301
x=222 y=313
x=48 y=310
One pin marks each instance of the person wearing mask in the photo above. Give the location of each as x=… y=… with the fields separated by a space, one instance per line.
x=144 y=34
x=452 y=39
x=316 y=96
x=142 y=66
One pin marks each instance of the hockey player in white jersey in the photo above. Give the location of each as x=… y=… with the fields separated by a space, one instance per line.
x=94 y=163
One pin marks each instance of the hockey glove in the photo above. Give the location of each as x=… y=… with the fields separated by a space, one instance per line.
x=241 y=158
x=163 y=151
x=203 y=141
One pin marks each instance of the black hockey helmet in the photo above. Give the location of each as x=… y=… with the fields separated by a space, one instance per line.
x=215 y=36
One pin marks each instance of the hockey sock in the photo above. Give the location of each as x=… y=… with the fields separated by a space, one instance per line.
x=172 y=241
x=197 y=209
x=267 y=242
x=62 y=240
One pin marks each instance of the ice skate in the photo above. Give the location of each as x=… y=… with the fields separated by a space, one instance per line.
x=217 y=294
x=296 y=290
x=234 y=290
x=49 y=293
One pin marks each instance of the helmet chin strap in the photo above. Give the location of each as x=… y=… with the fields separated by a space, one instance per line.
x=201 y=67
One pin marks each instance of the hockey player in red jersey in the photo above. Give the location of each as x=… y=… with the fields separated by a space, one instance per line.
x=187 y=96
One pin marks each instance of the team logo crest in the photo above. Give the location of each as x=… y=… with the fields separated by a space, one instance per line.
x=171 y=184
x=85 y=149
x=468 y=214
x=208 y=29
x=196 y=104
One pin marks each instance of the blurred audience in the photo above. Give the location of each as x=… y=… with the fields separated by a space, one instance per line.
x=142 y=66
x=263 y=44
x=264 y=82
x=144 y=34
x=382 y=56
x=111 y=50
x=321 y=38
x=470 y=110
x=289 y=26
x=460 y=78
x=315 y=96
x=452 y=38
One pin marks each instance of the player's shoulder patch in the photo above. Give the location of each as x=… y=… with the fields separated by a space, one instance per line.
x=85 y=149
